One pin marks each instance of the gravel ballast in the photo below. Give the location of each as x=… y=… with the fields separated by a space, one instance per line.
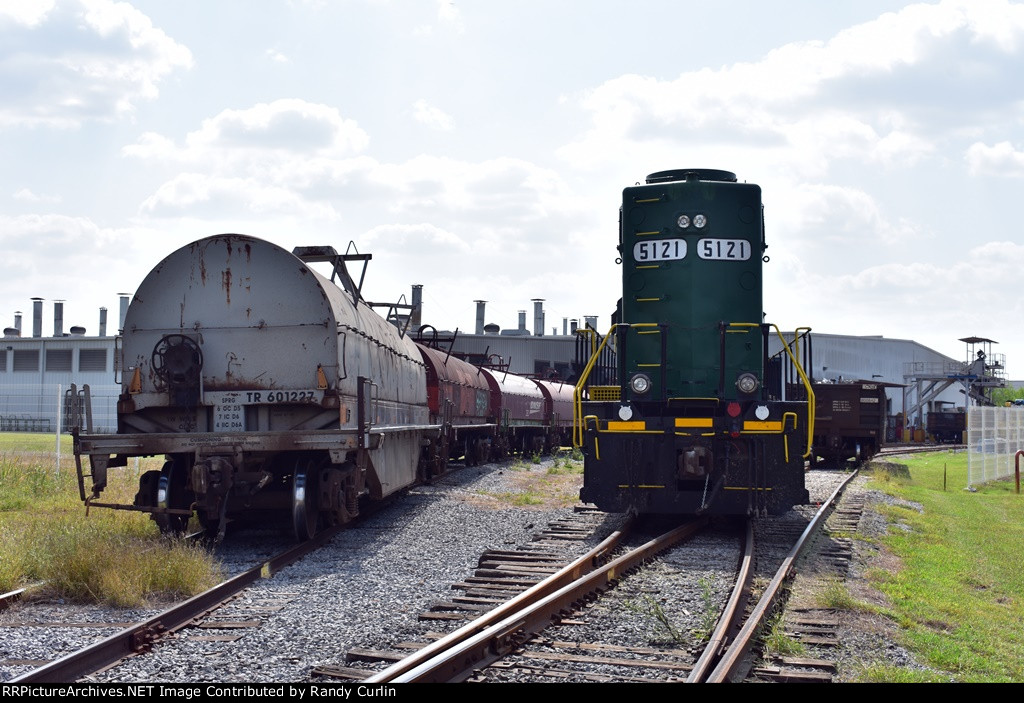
x=367 y=587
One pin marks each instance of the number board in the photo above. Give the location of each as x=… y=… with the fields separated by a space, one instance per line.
x=723 y=249
x=659 y=250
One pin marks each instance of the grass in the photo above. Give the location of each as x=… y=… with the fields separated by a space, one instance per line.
x=653 y=612
x=110 y=556
x=835 y=595
x=959 y=595
x=709 y=612
x=549 y=483
x=778 y=642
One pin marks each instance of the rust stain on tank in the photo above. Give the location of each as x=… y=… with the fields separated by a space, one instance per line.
x=225 y=280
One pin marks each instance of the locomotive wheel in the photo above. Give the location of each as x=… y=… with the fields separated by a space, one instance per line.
x=305 y=499
x=172 y=492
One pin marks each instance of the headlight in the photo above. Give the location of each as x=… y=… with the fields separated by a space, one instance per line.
x=747 y=383
x=699 y=221
x=640 y=384
x=683 y=221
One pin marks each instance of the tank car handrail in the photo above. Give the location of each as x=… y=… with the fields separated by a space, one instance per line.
x=807 y=385
x=577 y=398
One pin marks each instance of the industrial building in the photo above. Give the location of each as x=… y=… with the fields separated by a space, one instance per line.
x=37 y=372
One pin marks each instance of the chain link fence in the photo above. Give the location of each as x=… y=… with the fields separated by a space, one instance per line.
x=994 y=436
x=49 y=407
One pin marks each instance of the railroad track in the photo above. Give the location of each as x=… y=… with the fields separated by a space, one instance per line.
x=533 y=636
x=137 y=638
x=808 y=620
x=574 y=650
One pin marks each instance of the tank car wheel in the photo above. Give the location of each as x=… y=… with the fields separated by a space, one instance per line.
x=172 y=492
x=305 y=499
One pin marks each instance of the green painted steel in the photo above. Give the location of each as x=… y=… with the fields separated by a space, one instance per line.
x=701 y=284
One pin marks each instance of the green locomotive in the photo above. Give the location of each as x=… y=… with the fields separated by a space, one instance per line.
x=694 y=418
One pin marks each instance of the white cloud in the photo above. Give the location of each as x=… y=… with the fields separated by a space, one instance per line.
x=289 y=125
x=934 y=303
x=200 y=195
x=26 y=12
x=449 y=14
x=74 y=60
x=866 y=94
x=431 y=116
x=277 y=56
x=1000 y=159
x=27 y=195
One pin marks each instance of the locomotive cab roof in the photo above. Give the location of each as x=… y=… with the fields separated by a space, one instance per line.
x=701 y=174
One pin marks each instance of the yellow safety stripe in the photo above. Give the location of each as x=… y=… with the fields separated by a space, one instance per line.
x=615 y=426
x=765 y=426
x=694 y=422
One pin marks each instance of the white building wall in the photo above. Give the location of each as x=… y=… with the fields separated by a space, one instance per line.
x=837 y=357
x=31 y=391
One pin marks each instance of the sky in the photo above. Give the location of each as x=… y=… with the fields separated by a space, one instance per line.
x=479 y=148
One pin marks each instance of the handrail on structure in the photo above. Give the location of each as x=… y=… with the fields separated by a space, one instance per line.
x=807 y=386
x=797 y=334
x=591 y=334
x=577 y=396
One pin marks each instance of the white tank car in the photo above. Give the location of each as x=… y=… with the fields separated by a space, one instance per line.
x=268 y=386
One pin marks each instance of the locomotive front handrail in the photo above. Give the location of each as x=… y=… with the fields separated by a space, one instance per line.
x=807 y=386
x=577 y=395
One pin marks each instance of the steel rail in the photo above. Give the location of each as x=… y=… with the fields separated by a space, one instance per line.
x=141 y=636
x=728 y=622
x=11 y=597
x=567 y=574
x=728 y=667
x=485 y=645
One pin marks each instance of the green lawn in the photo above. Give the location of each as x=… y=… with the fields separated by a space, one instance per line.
x=959 y=596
